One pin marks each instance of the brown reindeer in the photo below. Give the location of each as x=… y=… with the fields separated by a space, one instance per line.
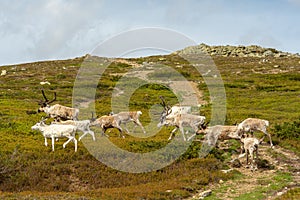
x=57 y=111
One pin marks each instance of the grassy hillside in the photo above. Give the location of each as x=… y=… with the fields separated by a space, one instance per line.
x=267 y=89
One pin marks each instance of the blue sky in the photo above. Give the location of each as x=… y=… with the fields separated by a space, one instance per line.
x=57 y=29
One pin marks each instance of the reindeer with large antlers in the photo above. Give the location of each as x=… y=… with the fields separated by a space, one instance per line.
x=174 y=110
x=57 y=111
x=180 y=118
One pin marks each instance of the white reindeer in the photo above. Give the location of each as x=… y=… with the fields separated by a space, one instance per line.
x=251 y=146
x=131 y=116
x=105 y=122
x=254 y=124
x=82 y=125
x=57 y=111
x=55 y=131
x=181 y=120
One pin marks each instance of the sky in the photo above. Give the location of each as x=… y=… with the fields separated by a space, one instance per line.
x=59 y=29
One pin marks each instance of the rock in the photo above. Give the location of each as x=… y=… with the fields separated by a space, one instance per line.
x=276 y=66
x=235 y=51
x=268 y=53
x=45 y=82
x=205 y=193
x=202 y=195
x=226 y=170
x=3 y=72
x=279 y=193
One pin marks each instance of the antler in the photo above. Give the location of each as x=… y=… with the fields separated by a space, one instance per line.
x=166 y=106
x=44 y=96
x=46 y=100
x=93 y=118
x=52 y=99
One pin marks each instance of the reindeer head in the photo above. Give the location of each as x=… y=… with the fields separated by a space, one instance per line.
x=163 y=116
x=167 y=108
x=38 y=125
x=46 y=102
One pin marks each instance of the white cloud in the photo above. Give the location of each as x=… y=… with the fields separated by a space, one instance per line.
x=38 y=30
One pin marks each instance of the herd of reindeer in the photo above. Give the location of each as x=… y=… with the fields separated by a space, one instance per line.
x=66 y=124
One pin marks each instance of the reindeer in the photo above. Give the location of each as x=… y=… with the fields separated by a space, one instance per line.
x=220 y=133
x=181 y=120
x=57 y=111
x=251 y=145
x=55 y=131
x=132 y=116
x=174 y=110
x=105 y=122
x=83 y=126
x=254 y=124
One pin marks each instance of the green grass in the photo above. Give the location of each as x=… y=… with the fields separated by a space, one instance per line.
x=278 y=182
x=28 y=168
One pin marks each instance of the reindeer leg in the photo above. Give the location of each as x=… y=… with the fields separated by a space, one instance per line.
x=268 y=134
x=52 y=138
x=140 y=124
x=125 y=126
x=92 y=134
x=134 y=127
x=242 y=148
x=82 y=136
x=69 y=140
x=75 y=143
x=262 y=139
x=103 y=131
x=191 y=137
x=121 y=132
x=195 y=128
x=182 y=132
x=46 y=143
x=173 y=131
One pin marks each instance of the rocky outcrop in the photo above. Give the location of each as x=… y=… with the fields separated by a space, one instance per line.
x=235 y=51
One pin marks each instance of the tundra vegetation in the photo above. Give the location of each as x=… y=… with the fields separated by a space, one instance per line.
x=254 y=89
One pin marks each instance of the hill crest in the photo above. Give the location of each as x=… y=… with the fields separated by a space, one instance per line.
x=236 y=51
